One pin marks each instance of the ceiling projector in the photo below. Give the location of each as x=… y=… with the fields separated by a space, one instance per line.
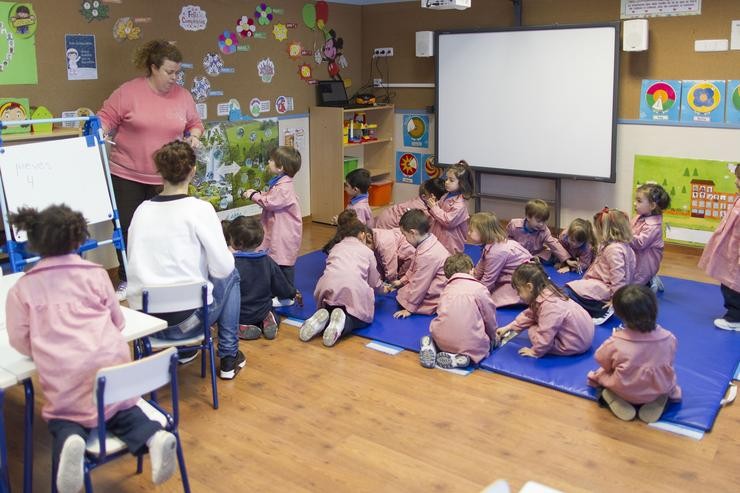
x=445 y=4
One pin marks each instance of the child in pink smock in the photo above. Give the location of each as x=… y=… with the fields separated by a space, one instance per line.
x=419 y=289
x=555 y=323
x=647 y=233
x=613 y=267
x=465 y=323
x=533 y=234
x=281 y=214
x=345 y=293
x=580 y=243
x=636 y=362
x=392 y=252
x=356 y=185
x=499 y=258
x=65 y=315
x=721 y=260
x=450 y=213
x=389 y=218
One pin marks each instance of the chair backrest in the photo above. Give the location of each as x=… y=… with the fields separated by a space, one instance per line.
x=136 y=378
x=174 y=297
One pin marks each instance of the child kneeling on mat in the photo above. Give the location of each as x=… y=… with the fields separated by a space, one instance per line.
x=556 y=323
x=637 y=361
x=466 y=319
x=345 y=292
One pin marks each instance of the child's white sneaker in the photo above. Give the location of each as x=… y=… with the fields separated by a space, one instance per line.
x=336 y=326
x=427 y=353
x=70 y=471
x=314 y=325
x=163 y=455
x=448 y=361
x=601 y=320
x=278 y=302
x=724 y=324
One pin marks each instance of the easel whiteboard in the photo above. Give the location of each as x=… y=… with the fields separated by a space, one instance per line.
x=56 y=171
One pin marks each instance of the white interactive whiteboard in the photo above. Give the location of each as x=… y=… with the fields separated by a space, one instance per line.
x=537 y=101
x=56 y=171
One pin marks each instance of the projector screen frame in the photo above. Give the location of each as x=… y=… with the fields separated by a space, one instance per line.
x=537 y=174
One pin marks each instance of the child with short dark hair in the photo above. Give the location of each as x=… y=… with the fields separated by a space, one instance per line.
x=613 y=267
x=533 y=234
x=261 y=280
x=636 y=362
x=450 y=213
x=281 y=214
x=64 y=314
x=555 y=323
x=420 y=287
x=465 y=323
x=356 y=185
x=647 y=233
x=389 y=218
x=580 y=243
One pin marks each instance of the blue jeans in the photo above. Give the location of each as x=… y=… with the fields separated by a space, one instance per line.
x=224 y=310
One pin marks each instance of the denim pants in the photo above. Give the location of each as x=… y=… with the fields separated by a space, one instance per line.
x=224 y=310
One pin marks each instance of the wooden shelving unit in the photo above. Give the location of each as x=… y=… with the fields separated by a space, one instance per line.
x=328 y=152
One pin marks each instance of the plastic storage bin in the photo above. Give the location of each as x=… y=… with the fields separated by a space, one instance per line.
x=380 y=192
x=350 y=163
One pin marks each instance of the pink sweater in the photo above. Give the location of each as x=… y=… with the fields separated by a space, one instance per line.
x=65 y=315
x=144 y=121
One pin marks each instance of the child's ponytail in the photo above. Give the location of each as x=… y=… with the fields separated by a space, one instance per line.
x=57 y=230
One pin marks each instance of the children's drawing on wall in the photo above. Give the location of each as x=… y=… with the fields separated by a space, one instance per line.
x=234 y=159
x=660 y=100
x=125 y=30
x=82 y=62
x=93 y=10
x=702 y=101
x=18 y=24
x=702 y=192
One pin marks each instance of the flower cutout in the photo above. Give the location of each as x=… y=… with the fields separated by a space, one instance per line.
x=280 y=31
x=245 y=27
x=305 y=72
x=180 y=78
x=704 y=97
x=227 y=42
x=93 y=10
x=213 y=63
x=295 y=49
x=124 y=29
x=201 y=88
x=263 y=14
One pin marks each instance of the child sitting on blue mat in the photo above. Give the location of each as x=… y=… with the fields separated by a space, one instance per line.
x=261 y=279
x=557 y=324
x=637 y=361
x=466 y=319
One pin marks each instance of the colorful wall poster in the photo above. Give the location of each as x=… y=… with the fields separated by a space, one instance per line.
x=15 y=109
x=702 y=101
x=82 y=63
x=234 y=159
x=429 y=168
x=702 y=192
x=658 y=8
x=416 y=131
x=660 y=100
x=732 y=106
x=18 y=24
x=407 y=167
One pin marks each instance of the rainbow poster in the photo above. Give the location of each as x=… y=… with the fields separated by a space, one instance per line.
x=702 y=101
x=732 y=104
x=660 y=100
x=407 y=167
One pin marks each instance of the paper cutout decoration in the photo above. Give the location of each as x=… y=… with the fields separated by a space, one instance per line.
x=430 y=170
x=280 y=32
x=124 y=29
x=266 y=70
x=257 y=106
x=227 y=42
x=702 y=101
x=14 y=109
x=322 y=14
x=245 y=27
x=309 y=15
x=415 y=131
x=180 y=78
x=23 y=20
x=660 y=100
x=42 y=113
x=305 y=72
x=200 y=89
x=93 y=10
x=283 y=104
x=81 y=56
x=193 y=18
x=407 y=168
x=331 y=53
x=263 y=14
x=732 y=110
x=295 y=50
x=213 y=63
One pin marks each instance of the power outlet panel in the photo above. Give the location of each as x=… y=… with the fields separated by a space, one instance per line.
x=377 y=82
x=382 y=52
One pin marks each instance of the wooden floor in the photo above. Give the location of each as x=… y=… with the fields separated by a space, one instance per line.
x=302 y=417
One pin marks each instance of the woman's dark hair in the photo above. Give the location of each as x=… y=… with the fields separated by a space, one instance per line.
x=344 y=230
x=465 y=178
x=174 y=161
x=414 y=219
x=636 y=306
x=434 y=187
x=287 y=159
x=56 y=230
x=359 y=178
x=245 y=233
x=532 y=272
x=657 y=196
x=155 y=52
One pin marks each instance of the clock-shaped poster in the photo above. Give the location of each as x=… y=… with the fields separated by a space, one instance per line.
x=660 y=100
x=702 y=101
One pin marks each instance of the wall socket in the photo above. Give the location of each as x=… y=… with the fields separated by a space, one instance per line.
x=379 y=52
x=377 y=82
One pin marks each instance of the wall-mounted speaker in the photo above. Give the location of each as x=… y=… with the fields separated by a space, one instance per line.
x=635 y=35
x=424 y=43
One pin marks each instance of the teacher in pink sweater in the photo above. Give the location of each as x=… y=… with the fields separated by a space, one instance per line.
x=141 y=116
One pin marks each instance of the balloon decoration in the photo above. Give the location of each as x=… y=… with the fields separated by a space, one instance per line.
x=316 y=15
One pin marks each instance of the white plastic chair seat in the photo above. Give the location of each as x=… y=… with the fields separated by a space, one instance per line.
x=114 y=444
x=165 y=343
